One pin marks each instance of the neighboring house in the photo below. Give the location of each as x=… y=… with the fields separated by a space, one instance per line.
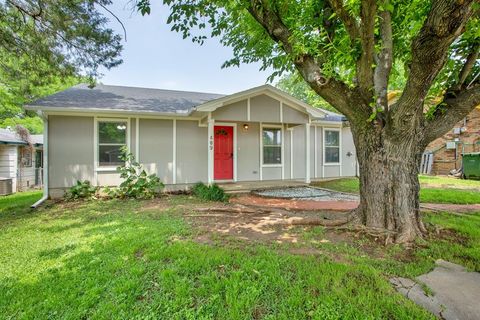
x=463 y=138
x=21 y=161
x=185 y=137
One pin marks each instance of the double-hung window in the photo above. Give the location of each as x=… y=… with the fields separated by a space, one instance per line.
x=332 y=146
x=272 y=146
x=112 y=137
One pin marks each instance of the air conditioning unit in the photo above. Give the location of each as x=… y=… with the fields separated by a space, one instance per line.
x=6 y=186
x=451 y=145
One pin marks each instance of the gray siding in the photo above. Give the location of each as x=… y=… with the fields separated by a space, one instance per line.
x=332 y=171
x=156 y=148
x=107 y=178
x=8 y=163
x=264 y=109
x=70 y=150
x=272 y=173
x=248 y=152
x=233 y=112
x=291 y=115
x=299 y=152
x=287 y=152
x=191 y=155
x=348 y=162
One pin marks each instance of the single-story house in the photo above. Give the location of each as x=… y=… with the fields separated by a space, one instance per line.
x=186 y=137
x=21 y=161
x=463 y=138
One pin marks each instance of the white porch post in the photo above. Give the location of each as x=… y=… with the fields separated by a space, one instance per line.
x=211 y=123
x=307 y=153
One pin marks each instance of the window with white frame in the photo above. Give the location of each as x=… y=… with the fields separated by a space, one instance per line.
x=272 y=145
x=112 y=136
x=25 y=157
x=332 y=146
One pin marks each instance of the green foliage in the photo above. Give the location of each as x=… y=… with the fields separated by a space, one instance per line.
x=82 y=190
x=136 y=184
x=209 y=193
x=57 y=259
x=318 y=32
x=432 y=189
x=47 y=46
x=297 y=87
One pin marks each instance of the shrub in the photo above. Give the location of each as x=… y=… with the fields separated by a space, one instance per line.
x=209 y=193
x=82 y=190
x=136 y=182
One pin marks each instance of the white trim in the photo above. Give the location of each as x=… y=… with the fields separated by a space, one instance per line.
x=315 y=152
x=95 y=151
x=290 y=130
x=121 y=115
x=267 y=90
x=307 y=153
x=281 y=111
x=248 y=109
x=283 y=152
x=137 y=139
x=108 y=112
x=97 y=167
x=272 y=126
x=210 y=147
x=330 y=124
x=282 y=148
x=260 y=136
x=174 y=144
x=45 y=158
x=234 y=125
x=339 y=163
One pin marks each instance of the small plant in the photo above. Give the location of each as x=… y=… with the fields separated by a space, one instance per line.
x=136 y=183
x=82 y=190
x=209 y=193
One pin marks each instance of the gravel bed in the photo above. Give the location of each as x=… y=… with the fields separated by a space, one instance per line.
x=306 y=193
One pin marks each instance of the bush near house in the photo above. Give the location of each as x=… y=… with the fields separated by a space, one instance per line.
x=209 y=193
x=128 y=260
x=82 y=190
x=136 y=182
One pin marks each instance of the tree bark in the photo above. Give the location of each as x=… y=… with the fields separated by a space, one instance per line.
x=389 y=187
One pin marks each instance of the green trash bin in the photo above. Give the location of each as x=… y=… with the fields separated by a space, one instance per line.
x=471 y=165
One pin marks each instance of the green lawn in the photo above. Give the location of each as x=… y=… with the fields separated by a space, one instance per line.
x=433 y=189
x=115 y=260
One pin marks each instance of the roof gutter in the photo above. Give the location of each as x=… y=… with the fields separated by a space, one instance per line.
x=109 y=111
x=45 y=163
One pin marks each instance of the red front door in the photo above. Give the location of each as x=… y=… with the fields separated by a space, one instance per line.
x=223 y=153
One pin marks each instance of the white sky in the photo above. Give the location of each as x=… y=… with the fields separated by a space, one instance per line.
x=156 y=57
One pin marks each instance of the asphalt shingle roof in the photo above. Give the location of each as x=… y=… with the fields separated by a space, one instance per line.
x=10 y=137
x=126 y=98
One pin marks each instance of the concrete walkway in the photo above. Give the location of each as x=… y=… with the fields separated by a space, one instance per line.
x=295 y=205
x=455 y=293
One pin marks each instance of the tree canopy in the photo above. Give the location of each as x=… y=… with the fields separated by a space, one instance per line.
x=351 y=53
x=46 y=45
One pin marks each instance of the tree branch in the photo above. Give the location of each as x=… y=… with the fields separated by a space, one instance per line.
x=333 y=91
x=384 y=60
x=348 y=21
x=468 y=66
x=365 y=72
x=444 y=23
x=452 y=109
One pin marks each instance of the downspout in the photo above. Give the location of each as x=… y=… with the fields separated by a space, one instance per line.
x=45 y=163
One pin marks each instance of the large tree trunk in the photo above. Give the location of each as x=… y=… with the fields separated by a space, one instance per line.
x=389 y=187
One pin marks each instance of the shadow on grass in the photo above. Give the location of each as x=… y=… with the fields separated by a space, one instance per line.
x=128 y=265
